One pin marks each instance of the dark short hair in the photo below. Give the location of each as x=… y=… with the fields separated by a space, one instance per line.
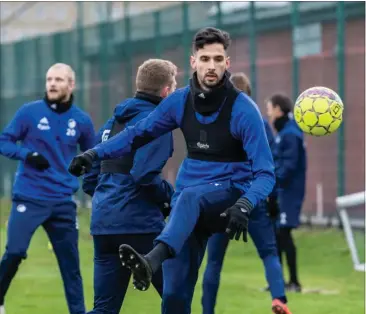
x=282 y=101
x=241 y=82
x=210 y=35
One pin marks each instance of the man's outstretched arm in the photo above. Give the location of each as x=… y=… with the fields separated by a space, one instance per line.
x=162 y=120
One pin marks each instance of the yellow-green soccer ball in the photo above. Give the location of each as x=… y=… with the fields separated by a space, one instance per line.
x=318 y=111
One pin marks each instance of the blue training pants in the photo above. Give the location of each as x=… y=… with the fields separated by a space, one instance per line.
x=59 y=221
x=261 y=230
x=196 y=213
x=110 y=278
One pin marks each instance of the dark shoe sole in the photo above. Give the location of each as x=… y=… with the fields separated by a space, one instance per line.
x=138 y=265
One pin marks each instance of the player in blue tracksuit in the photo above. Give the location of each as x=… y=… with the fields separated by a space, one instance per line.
x=290 y=164
x=224 y=133
x=129 y=193
x=49 y=132
x=260 y=229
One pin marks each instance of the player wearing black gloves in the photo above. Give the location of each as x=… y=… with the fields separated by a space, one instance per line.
x=130 y=199
x=225 y=137
x=49 y=131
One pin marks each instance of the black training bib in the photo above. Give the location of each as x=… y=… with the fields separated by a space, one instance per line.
x=213 y=141
x=118 y=165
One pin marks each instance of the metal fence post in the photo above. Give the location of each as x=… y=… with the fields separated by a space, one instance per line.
x=80 y=78
x=57 y=48
x=80 y=60
x=186 y=42
x=39 y=85
x=127 y=45
x=104 y=45
x=157 y=20
x=218 y=14
x=295 y=60
x=341 y=82
x=253 y=50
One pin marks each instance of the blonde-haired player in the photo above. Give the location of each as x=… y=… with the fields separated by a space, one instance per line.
x=49 y=131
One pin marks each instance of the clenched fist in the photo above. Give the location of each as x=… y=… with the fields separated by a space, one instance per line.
x=82 y=163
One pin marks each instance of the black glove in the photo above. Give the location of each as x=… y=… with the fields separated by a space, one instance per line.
x=82 y=163
x=238 y=219
x=165 y=209
x=272 y=207
x=37 y=161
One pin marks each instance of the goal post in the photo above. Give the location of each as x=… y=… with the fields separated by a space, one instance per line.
x=344 y=203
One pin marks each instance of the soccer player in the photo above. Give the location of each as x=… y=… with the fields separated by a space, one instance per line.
x=129 y=193
x=224 y=131
x=261 y=231
x=49 y=131
x=290 y=176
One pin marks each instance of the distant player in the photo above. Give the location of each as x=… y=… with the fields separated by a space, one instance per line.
x=261 y=231
x=290 y=176
x=130 y=199
x=224 y=131
x=49 y=131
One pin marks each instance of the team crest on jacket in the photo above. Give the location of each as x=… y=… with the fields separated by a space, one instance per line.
x=72 y=123
x=71 y=128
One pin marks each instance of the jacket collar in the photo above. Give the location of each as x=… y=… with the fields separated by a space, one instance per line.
x=59 y=106
x=148 y=97
x=208 y=102
x=280 y=122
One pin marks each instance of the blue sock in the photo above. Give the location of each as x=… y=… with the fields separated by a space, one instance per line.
x=274 y=277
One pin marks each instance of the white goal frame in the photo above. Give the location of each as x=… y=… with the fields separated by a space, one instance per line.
x=343 y=203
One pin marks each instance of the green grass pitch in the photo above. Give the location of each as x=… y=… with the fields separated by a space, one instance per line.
x=324 y=263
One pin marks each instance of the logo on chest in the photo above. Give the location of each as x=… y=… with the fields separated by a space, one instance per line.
x=202 y=144
x=71 y=128
x=43 y=124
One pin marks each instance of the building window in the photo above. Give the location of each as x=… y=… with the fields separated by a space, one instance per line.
x=307 y=40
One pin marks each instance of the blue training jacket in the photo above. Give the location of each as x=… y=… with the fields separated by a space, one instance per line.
x=246 y=125
x=54 y=135
x=125 y=204
x=290 y=161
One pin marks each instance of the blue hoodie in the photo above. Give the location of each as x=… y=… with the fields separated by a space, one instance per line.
x=290 y=161
x=56 y=136
x=125 y=204
x=246 y=125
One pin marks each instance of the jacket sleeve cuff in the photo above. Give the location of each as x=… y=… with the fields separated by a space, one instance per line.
x=99 y=153
x=250 y=199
